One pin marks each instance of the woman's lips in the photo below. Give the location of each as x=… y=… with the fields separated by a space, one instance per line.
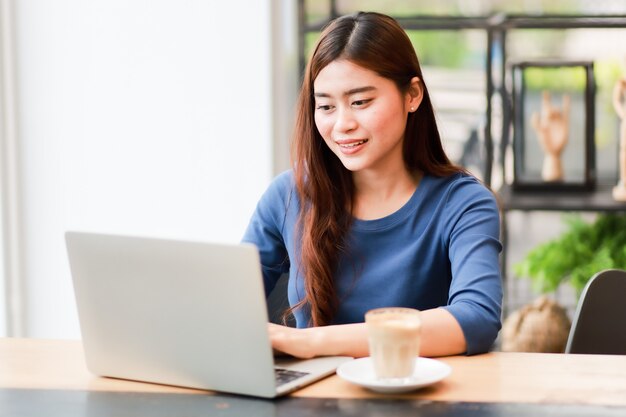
x=351 y=146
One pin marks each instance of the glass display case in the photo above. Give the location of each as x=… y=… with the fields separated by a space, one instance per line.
x=553 y=125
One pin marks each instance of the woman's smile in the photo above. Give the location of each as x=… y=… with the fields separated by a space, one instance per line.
x=351 y=146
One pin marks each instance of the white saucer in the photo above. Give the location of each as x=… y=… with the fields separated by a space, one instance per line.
x=361 y=372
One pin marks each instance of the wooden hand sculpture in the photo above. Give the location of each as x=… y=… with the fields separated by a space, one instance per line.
x=619 y=103
x=552 y=129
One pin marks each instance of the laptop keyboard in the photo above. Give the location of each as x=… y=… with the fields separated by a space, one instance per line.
x=284 y=376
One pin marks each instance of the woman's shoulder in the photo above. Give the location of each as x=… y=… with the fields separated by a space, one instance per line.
x=285 y=176
x=283 y=182
x=460 y=180
x=463 y=189
x=280 y=189
x=464 y=201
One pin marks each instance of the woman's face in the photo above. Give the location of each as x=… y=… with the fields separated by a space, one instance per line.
x=361 y=116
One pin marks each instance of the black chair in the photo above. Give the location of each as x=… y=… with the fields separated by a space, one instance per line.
x=599 y=325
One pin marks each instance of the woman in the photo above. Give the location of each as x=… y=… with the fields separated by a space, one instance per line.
x=373 y=213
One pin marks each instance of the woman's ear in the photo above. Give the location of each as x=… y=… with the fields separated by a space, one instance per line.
x=415 y=94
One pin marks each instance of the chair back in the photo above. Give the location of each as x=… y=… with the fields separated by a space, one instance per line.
x=599 y=325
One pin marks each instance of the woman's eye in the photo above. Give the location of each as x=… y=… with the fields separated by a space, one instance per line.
x=360 y=103
x=323 y=107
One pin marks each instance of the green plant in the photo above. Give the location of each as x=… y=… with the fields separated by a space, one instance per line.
x=581 y=251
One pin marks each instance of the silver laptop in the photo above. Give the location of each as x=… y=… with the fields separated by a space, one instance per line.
x=180 y=313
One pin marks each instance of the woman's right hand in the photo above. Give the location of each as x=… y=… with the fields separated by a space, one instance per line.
x=300 y=343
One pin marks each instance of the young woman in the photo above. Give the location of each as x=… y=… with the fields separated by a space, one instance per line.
x=373 y=213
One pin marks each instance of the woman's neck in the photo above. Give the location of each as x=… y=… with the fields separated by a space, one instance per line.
x=378 y=196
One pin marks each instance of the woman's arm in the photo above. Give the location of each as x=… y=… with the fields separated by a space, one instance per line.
x=441 y=336
x=265 y=230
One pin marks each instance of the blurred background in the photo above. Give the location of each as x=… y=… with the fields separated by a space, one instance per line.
x=170 y=118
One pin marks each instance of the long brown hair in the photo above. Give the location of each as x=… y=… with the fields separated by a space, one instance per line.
x=325 y=188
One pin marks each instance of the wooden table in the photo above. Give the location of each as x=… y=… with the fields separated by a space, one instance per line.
x=504 y=378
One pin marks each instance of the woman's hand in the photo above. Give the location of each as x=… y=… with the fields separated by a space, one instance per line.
x=300 y=343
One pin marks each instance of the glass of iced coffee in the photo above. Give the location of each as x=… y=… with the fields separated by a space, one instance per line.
x=394 y=341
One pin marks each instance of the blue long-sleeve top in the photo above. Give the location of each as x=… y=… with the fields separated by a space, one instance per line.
x=440 y=249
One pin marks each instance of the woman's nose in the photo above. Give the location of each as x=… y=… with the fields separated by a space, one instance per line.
x=345 y=120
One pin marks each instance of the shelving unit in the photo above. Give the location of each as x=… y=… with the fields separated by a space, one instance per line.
x=496 y=84
x=598 y=199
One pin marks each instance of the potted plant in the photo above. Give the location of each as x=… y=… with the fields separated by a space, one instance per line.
x=576 y=255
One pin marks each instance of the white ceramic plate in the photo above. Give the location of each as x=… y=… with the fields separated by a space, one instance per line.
x=361 y=372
